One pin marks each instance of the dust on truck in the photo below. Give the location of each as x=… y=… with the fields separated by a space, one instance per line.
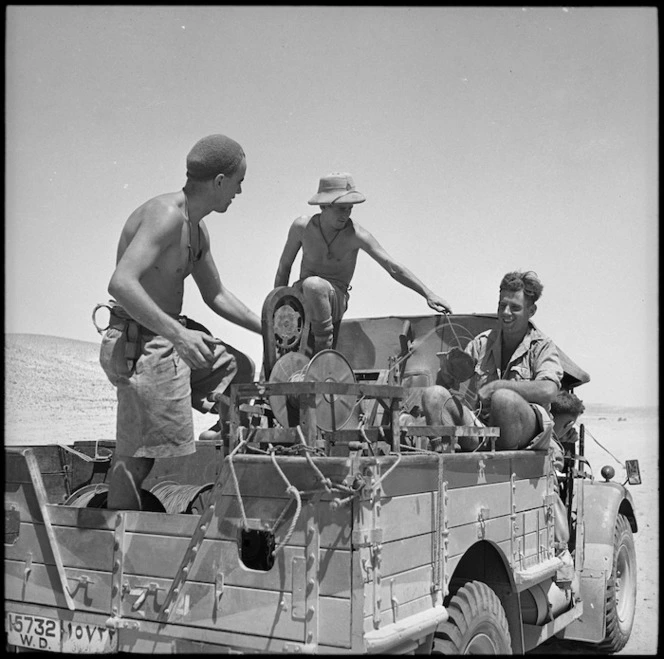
x=318 y=524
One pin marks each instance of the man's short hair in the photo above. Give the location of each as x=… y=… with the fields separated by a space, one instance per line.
x=528 y=282
x=567 y=403
x=212 y=155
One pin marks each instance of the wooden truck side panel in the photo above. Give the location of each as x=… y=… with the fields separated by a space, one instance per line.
x=346 y=571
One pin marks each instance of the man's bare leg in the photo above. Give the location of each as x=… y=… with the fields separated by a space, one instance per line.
x=515 y=417
x=127 y=476
x=317 y=291
x=442 y=408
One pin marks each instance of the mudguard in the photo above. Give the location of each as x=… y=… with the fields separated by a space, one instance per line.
x=602 y=503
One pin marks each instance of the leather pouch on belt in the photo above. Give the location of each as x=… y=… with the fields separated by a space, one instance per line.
x=133 y=344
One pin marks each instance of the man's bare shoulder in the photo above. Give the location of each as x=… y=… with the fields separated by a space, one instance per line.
x=364 y=236
x=302 y=221
x=161 y=213
x=299 y=225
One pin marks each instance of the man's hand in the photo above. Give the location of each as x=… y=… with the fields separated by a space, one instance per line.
x=570 y=437
x=194 y=348
x=438 y=304
x=485 y=392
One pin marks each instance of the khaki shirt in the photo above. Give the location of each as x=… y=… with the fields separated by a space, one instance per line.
x=535 y=358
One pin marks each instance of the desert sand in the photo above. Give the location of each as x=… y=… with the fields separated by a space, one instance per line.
x=56 y=392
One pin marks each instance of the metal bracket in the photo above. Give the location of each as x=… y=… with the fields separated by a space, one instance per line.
x=299 y=648
x=143 y=592
x=218 y=586
x=481 y=477
x=28 y=567
x=116 y=622
x=394 y=601
x=482 y=516
x=83 y=582
x=118 y=588
x=367 y=537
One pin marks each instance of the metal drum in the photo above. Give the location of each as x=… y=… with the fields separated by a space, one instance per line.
x=289 y=368
x=83 y=497
x=333 y=412
x=187 y=499
x=96 y=496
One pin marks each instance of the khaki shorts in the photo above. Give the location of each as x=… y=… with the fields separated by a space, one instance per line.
x=542 y=440
x=155 y=397
x=154 y=418
x=339 y=296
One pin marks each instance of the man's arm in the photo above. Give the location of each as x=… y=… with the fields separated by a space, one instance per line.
x=217 y=296
x=398 y=271
x=153 y=237
x=541 y=392
x=291 y=248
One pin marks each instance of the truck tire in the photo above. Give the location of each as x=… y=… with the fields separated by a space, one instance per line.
x=620 y=589
x=477 y=623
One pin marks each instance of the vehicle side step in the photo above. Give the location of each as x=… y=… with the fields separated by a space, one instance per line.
x=527 y=578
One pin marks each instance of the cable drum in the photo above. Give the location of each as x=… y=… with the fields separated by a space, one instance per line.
x=96 y=496
x=187 y=499
x=82 y=497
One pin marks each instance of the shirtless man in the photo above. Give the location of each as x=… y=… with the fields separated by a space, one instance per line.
x=160 y=362
x=330 y=242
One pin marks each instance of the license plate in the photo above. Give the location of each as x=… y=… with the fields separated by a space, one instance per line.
x=39 y=633
x=33 y=632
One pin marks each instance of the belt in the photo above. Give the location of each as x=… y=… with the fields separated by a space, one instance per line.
x=134 y=332
x=119 y=319
x=120 y=323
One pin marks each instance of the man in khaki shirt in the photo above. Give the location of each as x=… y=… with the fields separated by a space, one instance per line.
x=517 y=373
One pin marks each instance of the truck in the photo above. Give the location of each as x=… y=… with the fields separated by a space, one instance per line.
x=321 y=522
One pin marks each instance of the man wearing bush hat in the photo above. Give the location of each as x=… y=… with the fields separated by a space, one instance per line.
x=330 y=242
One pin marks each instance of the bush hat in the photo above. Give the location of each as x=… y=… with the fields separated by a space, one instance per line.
x=337 y=188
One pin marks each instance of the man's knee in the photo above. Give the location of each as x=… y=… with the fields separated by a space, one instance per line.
x=434 y=396
x=515 y=417
x=507 y=402
x=434 y=400
x=315 y=287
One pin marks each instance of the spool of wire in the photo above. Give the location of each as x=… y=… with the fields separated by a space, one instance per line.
x=186 y=499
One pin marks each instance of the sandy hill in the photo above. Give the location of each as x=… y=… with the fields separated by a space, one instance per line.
x=55 y=391
x=47 y=373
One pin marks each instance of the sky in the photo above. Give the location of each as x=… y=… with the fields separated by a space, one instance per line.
x=484 y=139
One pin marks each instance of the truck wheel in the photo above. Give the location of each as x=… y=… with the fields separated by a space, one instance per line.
x=477 y=623
x=620 y=589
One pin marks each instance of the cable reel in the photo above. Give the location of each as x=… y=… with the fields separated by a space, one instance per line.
x=333 y=411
